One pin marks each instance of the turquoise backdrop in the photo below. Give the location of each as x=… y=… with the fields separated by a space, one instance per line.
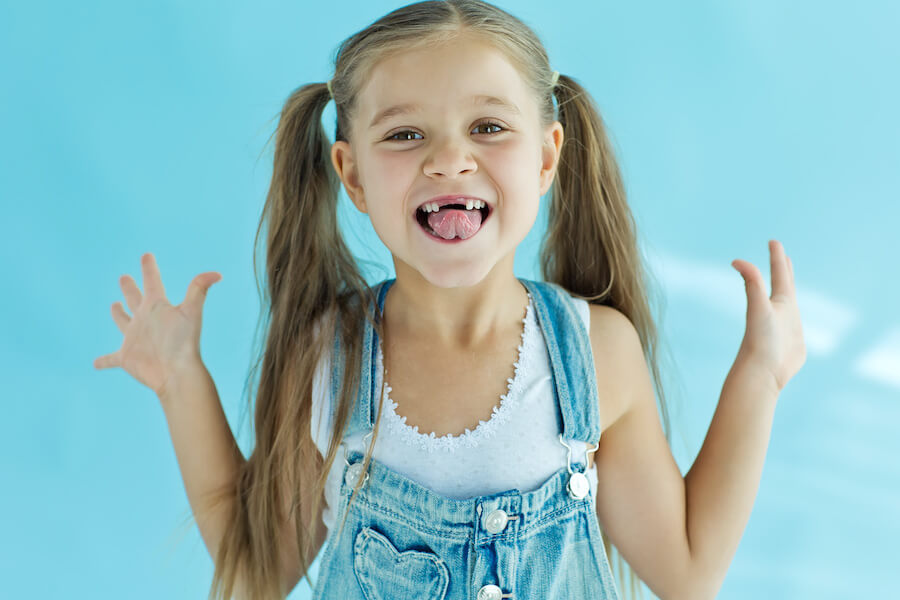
x=132 y=127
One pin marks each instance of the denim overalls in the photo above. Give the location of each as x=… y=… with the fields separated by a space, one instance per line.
x=402 y=540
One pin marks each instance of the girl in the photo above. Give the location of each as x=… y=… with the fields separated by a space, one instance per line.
x=536 y=397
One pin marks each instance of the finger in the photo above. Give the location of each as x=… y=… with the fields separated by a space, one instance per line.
x=779 y=268
x=153 y=285
x=120 y=316
x=753 y=282
x=196 y=292
x=131 y=292
x=753 y=279
x=107 y=360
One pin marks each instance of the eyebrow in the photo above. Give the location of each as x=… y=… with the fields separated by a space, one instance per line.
x=480 y=100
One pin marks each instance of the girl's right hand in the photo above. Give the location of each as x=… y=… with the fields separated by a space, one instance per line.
x=160 y=339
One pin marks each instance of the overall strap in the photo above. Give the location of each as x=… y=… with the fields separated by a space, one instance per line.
x=362 y=417
x=571 y=360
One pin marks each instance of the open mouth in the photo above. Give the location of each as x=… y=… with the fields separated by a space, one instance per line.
x=453 y=222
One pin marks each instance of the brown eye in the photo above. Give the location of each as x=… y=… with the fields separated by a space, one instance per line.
x=399 y=133
x=491 y=124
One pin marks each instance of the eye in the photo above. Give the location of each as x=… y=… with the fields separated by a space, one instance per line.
x=393 y=137
x=491 y=124
x=403 y=136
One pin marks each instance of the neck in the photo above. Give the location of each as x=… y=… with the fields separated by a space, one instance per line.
x=461 y=318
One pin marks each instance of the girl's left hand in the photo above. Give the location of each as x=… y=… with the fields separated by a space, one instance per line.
x=773 y=339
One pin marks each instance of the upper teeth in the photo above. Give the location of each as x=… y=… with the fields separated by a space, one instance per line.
x=470 y=204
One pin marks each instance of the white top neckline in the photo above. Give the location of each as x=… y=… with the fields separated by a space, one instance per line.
x=411 y=436
x=521 y=454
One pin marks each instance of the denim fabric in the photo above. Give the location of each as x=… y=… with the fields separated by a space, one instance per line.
x=402 y=540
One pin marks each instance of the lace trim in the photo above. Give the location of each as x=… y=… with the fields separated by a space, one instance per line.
x=398 y=429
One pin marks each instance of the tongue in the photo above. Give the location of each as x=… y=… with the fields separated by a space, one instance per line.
x=452 y=222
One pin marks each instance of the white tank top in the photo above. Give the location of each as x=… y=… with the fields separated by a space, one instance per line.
x=516 y=448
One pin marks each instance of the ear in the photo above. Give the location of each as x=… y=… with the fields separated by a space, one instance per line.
x=553 y=139
x=346 y=168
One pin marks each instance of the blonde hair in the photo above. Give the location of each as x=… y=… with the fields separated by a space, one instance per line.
x=312 y=277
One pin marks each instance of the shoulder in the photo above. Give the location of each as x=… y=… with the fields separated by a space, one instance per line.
x=618 y=359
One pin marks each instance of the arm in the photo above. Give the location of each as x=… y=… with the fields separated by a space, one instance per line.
x=680 y=534
x=160 y=349
x=209 y=458
x=207 y=454
x=722 y=484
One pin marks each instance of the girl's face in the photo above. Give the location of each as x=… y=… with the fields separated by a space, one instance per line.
x=451 y=119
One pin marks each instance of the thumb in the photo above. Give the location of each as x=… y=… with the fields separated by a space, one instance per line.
x=196 y=292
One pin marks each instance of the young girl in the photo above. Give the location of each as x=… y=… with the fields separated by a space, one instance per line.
x=457 y=432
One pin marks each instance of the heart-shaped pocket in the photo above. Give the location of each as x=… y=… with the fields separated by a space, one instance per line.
x=385 y=573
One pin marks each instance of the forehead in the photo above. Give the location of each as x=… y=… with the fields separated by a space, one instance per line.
x=447 y=77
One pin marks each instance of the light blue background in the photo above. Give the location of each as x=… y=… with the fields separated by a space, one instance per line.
x=127 y=129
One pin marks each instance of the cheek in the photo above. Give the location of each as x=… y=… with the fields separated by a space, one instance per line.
x=387 y=178
x=516 y=169
x=523 y=153
x=393 y=161
x=388 y=170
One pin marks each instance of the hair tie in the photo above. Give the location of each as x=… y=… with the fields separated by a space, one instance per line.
x=554 y=79
x=328 y=85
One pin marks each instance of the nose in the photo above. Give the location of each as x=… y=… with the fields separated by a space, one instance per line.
x=448 y=158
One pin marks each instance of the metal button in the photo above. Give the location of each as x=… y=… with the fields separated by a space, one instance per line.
x=352 y=475
x=496 y=520
x=578 y=486
x=489 y=592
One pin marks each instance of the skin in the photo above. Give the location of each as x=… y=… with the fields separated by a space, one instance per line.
x=458 y=295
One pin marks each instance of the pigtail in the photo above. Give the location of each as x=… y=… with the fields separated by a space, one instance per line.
x=590 y=227
x=591 y=247
x=312 y=287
